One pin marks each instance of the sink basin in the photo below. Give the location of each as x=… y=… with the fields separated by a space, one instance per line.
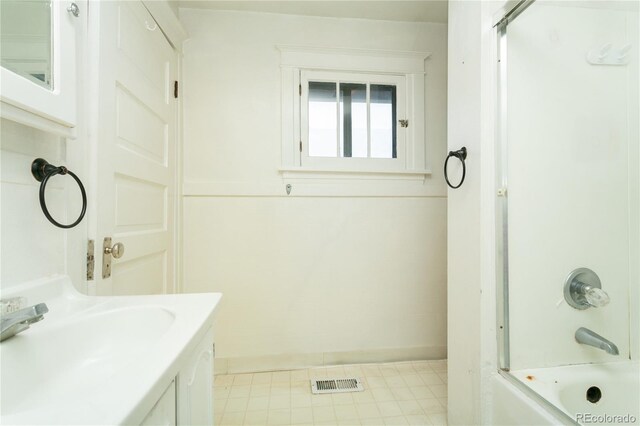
x=97 y=360
x=49 y=361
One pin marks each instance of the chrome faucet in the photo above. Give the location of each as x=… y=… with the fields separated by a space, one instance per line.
x=585 y=336
x=18 y=321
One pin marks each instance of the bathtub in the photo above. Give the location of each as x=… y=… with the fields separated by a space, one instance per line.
x=603 y=394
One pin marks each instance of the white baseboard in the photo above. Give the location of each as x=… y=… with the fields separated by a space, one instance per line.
x=298 y=361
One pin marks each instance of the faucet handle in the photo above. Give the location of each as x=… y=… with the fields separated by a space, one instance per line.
x=583 y=290
x=12 y=304
x=596 y=297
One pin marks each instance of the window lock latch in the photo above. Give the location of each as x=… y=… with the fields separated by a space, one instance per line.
x=404 y=123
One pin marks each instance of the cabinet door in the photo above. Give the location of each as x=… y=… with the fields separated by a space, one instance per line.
x=39 y=52
x=195 y=386
x=164 y=412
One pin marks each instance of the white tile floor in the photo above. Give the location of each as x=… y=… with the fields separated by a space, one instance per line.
x=401 y=393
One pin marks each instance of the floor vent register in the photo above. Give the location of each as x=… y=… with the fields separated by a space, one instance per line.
x=336 y=385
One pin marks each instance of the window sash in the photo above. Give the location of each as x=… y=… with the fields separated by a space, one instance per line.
x=351 y=163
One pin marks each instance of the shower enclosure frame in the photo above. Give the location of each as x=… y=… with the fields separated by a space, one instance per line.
x=502 y=205
x=502 y=215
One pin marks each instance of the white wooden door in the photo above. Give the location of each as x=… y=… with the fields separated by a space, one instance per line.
x=135 y=67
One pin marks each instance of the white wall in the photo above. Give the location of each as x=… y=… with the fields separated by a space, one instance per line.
x=350 y=277
x=32 y=247
x=471 y=273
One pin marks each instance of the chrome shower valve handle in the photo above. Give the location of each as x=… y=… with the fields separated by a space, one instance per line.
x=595 y=297
x=583 y=289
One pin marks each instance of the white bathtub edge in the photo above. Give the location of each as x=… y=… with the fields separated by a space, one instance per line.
x=516 y=404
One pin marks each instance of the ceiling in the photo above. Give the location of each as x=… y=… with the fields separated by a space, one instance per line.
x=390 y=10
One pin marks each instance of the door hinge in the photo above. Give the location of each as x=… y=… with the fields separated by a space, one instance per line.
x=300 y=146
x=299 y=89
x=404 y=123
x=175 y=89
x=91 y=260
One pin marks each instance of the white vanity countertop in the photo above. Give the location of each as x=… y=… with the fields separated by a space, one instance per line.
x=97 y=360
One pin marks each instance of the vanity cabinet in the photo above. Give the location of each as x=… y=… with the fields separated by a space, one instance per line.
x=188 y=400
x=164 y=412
x=195 y=385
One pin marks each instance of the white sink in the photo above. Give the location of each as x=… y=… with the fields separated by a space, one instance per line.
x=95 y=355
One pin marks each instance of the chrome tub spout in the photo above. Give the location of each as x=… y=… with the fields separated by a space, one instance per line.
x=585 y=336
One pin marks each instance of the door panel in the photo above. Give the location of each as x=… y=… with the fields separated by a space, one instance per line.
x=146 y=271
x=145 y=137
x=135 y=38
x=129 y=195
x=136 y=149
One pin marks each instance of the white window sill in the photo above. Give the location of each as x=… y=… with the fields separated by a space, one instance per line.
x=329 y=173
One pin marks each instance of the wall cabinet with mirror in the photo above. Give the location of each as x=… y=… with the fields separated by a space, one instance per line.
x=38 y=58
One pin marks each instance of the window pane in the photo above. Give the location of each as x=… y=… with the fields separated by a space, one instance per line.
x=323 y=119
x=383 y=121
x=353 y=120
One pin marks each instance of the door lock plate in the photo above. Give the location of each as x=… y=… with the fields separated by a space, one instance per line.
x=106 y=258
x=110 y=252
x=91 y=260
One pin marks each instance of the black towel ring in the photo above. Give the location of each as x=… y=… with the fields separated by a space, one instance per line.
x=461 y=155
x=42 y=171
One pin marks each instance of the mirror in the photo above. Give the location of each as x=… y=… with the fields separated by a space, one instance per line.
x=26 y=39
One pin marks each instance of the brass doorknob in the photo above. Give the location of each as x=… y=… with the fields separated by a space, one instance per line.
x=116 y=251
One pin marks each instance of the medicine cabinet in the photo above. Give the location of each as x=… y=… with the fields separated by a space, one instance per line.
x=38 y=58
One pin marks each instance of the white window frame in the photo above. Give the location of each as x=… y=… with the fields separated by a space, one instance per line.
x=406 y=70
x=351 y=163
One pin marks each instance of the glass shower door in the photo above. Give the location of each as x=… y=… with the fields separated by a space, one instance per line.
x=570 y=183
